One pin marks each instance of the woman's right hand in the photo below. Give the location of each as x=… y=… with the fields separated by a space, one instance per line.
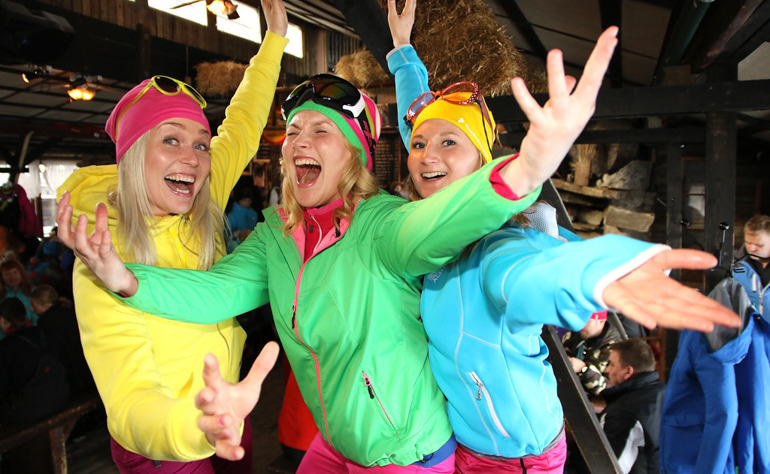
x=96 y=250
x=275 y=16
x=401 y=25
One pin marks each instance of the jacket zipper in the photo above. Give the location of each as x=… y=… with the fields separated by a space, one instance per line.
x=315 y=357
x=368 y=384
x=482 y=392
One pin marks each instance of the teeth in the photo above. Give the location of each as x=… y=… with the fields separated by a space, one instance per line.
x=434 y=174
x=181 y=177
x=305 y=162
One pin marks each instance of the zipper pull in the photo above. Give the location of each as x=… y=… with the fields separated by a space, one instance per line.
x=479 y=384
x=294 y=315
x=368 y=384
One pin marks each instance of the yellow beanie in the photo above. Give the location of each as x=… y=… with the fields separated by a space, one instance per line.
x=466 y=117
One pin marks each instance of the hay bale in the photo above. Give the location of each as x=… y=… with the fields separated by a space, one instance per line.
x=460 y=40
x=219 y=79
x=361 y=69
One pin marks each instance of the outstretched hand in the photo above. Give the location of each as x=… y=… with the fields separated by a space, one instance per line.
x=556 y=125
x=401 y=25
x=225 y=405
x=96 y=250
x=275 y=16
x=648 y=296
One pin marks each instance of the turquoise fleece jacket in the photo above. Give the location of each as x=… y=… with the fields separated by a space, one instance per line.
x=349 y=318
x=484 y=314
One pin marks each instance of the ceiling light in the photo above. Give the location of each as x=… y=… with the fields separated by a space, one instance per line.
x=81 y=92
x=224 y=8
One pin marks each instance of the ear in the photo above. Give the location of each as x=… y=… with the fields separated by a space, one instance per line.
x=629 y=372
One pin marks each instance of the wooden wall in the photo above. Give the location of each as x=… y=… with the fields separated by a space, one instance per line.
x=322 y=48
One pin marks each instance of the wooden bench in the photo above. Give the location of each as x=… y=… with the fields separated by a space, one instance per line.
x=58 y=427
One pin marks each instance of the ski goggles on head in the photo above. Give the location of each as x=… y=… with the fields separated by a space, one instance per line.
x=459 y=93
x=328 y=90
x=167 y=86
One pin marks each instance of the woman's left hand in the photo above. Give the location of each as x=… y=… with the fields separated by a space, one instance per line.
x=95 y=250
x=275 y=16
x=648 y=296
x=225 y=405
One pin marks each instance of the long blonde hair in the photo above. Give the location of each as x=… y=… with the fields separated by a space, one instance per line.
x=132 y=200
x=356 y=182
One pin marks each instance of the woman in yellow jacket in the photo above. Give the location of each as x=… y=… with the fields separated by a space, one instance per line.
x=166 y=209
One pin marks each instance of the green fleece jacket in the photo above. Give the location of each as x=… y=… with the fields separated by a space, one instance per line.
x=349 y=317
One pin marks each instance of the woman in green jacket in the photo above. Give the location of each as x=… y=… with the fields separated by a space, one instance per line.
x=341 y=264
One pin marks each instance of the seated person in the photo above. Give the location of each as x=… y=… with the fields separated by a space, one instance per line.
x=242 y=217
x=634 y=399
x=588 y=351
x=33 y=383
x=60 y=320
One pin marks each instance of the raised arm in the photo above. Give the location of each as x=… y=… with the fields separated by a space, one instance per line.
x=237 y=139
x=410 y=73
x=556 y=125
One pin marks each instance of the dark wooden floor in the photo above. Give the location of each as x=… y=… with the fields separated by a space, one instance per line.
x=89 y=451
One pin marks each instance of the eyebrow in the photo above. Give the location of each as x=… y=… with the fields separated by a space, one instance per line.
x=201 y=131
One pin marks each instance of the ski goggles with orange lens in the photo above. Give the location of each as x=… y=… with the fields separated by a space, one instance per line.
x=459 y=93
x=167 y=86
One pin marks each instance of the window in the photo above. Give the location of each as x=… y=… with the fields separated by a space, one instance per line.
x=246 y=26
x=41 y=182
x=295 y=41
x=194 y=11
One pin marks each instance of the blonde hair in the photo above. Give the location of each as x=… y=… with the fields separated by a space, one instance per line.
x=356 y=182
x=44 y=294
x=132 y=200
x=757 y=224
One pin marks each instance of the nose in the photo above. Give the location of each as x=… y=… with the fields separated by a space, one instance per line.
x=298 y=139
x=429 y=153
x=190 y=157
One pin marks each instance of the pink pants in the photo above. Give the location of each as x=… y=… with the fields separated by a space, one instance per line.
x=550 y=462
x=321 y=458
x=132 y=463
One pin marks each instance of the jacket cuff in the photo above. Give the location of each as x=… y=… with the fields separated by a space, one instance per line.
x=272 y=48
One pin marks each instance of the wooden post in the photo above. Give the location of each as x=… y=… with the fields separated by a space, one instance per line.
x=721 y=150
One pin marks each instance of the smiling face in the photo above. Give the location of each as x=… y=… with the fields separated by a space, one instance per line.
x=440 y=154
x=176 y=164
x=315 y=154
x=11 y=278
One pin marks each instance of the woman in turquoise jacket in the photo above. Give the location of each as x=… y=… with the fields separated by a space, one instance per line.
x=484 y=312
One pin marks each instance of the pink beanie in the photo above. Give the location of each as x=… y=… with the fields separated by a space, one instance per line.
x=151 y=109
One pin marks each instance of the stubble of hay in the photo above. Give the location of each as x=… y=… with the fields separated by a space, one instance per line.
x=219 y=79
x=462 y=41
x=361 y=69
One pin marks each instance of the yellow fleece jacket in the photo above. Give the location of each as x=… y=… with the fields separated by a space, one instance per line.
x=148 y=369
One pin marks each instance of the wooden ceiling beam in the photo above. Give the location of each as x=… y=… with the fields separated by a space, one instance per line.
x=511 y=8
x=632 y=102
x=725 y=21
x=371 y=24
x=611 y=12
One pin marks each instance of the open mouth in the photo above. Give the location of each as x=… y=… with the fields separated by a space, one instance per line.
x=180 y=183
x=308 y=171
x=433 y=175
